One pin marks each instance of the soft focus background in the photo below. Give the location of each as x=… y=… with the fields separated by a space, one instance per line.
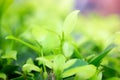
x=98 y=25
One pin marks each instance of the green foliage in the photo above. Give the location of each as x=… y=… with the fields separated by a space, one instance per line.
x=11 y=54
x=97 y=60
x=38 y=42
x=29 y=66
x=3 y=76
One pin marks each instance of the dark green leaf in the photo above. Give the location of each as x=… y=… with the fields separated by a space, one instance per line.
x=97 y=60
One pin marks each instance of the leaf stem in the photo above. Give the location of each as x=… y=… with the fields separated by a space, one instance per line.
x=62 y=41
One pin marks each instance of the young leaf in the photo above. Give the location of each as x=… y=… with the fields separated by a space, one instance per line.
x=82 y=72
x=58 y=66
x=29 y=66
x=70 y=63
x=97 y=60
x=29 y=61
x=11 y=54
x=59 y=59
x=45 y=61
x=68 y=49
x=70 y=22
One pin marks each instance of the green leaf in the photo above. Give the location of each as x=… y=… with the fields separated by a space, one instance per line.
x=29 y=61
x=70 y=63
x=68 y=49
x=45 y=61
x=59 y=59
x=109 y=71
x=29 y=66
x=11 y=54
x=97 y=60
x=97 y=76
x=3 y=76
x=86 y=73
x=82 y=72
x=70 y=22
x=58 y=66
x=73 y=63
x=23 y=42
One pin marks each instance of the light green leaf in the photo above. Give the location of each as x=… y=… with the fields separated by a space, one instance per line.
x=69 y=63
x=83 y=72
x=11 y=54
x=29 y=66
x=48 y=63
x=58 y=64
x=68 y=49
x=70 y=22
x=29 y=61
x=59 y=59
x=73 y=63
x=97 y=76
x=86 y=73
x=3 y=76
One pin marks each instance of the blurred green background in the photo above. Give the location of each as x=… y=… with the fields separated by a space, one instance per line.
x=96 y=27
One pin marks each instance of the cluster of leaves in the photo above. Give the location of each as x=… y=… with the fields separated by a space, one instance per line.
x=46 y=53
